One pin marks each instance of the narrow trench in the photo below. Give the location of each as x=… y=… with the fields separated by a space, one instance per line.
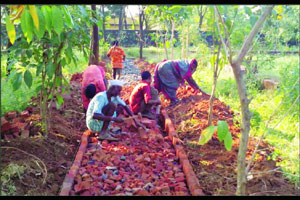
x=131 y=166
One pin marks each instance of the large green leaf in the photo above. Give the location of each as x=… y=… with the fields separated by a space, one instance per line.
x=68 y=53
x=42 y=27
x=17 y=81
x=206 y=134
x=11 y=31
x=34 y=15
x=50 y=70
x=23 y=23
x=27 y=25
x=222 y=130
x=228 y=141
x=57 y=20
x=28 y=78
x=48 y=17
x=68 y=17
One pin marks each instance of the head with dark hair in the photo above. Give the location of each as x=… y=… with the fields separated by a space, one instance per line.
x=90 y=91
x=194 y=65
x=116 y=42
x=145 y=75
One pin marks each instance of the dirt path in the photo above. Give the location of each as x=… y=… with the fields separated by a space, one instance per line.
x=213 y=165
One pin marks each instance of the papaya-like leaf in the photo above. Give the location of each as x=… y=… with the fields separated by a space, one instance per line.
x=34 y=15
x=57 y=20
x=17 y=81
x=206 y=134
x=11 y=31
x=228 y=141
x=222 y=130
x=28 y=78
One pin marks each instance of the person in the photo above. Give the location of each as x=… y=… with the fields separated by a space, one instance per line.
x=104 y=108
x=169 y=74
x=117 y=55
x=93 y=81
x=144 y=97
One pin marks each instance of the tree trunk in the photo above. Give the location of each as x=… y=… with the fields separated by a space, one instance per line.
x=141 y=32
x=125 y=19
x=182 y=44
x=211 y=99
x=94 y=57
x=201 y=16
x=187 y=41
x=103 y=23
x=172 y=36
x=165 y=47
x=245 y=126
x=121 y=18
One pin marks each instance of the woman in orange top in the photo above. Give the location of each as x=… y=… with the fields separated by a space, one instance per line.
x=117 y=57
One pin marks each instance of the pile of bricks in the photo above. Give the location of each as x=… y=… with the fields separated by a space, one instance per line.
x=15 y=124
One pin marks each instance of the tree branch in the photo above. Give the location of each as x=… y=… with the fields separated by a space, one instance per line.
x=226 y=32
x=222 y=39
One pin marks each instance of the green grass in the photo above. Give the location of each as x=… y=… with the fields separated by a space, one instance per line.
x=285 y=137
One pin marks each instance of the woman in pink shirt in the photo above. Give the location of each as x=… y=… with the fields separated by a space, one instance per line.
x=94 y=77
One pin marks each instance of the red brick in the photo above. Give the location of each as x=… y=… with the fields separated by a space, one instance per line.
x=180 y=179
x=143 y=192
x=11 y=115
x=24 y=114
x=3 y=121
x=5 y=127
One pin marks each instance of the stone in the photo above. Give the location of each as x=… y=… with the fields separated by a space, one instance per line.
x=123 y=158
x=11 y=115
x=25 y=134
x=119 y=187
x=270 y=84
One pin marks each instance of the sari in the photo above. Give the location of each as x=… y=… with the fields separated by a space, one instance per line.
x=169 y=74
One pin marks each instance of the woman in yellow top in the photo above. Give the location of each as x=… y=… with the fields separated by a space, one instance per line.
x=117 y=57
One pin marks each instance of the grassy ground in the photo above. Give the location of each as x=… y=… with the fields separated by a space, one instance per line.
x=284 y=136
